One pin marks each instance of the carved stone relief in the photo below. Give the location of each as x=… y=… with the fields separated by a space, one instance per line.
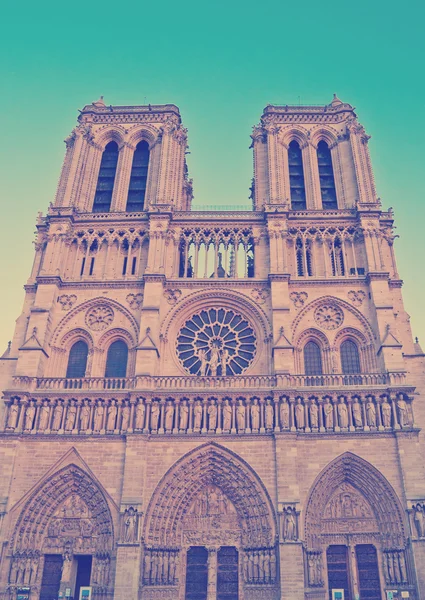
x=298 y=298
x=329 y=316
x=99 y=317
x=356 y=297
x=172 y=295
x=260 y=295
x=130 y=526
x=134 y=301
x=348 y=512
x=67 y=301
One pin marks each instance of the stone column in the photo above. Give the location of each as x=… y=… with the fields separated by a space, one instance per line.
x=212 y=574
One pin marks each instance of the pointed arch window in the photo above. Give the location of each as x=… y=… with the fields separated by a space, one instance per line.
x=296 y=176
x=326 y=176
x=116 y=361
x=77 y=360
x=138 y=178
x=312 y=359
x=106 y=179
x=350 y=358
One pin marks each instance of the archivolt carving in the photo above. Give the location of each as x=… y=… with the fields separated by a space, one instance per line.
x=110 y=133
x=367 y=488
x=210 y=467
x=137 y=133
x=74 y=335
x=116 y=334
x=323 y=132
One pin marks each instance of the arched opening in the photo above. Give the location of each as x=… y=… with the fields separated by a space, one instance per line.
x=77 y=360
x=326 y=176
x=350 y=357
x=117 y=358
x=106 y=178
x=296 y=176
x=138 y=178
x=312 y=359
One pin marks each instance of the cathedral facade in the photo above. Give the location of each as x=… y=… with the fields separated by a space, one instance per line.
x=213 y=405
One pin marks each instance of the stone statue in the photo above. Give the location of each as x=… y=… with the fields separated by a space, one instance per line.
x=314 y=415
x=29 y=416
x=148 y=565
x=197 y=413
x=386 y=413
x=112 y=416
x=44 y=416
x=125 y=421
x=419 y=518
x=371 y=414
x=299 y=414
x=328 y=409
x=12 y=420
x=140 y=414
x=290 y=524
x=212 y=416
x=130 y=522
x=70 y=416
x=85 y=416
x=272 y=566
x=255 y=415
x=202 y=355
x=169 y=415
x=214 y=360
x=357 y=413
x=57 y=417
x=98 y=416
x=240 y=415
x=269 y=414
x=155 y=416
x=172 y=568
x=184 y=415
x=224 y=360
x=284 y=415
x=227 y=415
x=403 y=416
x=343 y=414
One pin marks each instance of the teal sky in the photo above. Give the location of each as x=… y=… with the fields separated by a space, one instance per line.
x=221 y=63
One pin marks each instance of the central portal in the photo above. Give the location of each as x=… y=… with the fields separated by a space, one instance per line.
x=212 y=574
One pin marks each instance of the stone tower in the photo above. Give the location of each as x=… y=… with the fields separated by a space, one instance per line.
x=213 y=405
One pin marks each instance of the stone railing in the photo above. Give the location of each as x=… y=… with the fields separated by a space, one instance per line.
x=226 y=413
x=194 y=382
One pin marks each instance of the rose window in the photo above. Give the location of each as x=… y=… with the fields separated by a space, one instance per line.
x=329 y=316
x=216 y=341
x=99 y=317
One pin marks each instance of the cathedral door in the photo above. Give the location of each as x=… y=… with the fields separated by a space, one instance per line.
x=52 y=574
x=227 y=573
x=367 y=567
x=338 y=573
x=197 y=573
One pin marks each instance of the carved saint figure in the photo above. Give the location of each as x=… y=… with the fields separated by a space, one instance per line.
x=172 y=568
x=371 y=413
x=154 y=416
x=148 y=564
x=342 y=414
x=314 y=415
x=272 y=566
x=85 y=416
x=140 y=414
x=227 y=415
x=299 y=414
x=169 y=415
x=130 y=521
x=224 y=360
x=290 y=524
x=240 y=415
x=70 y=416
x=386 y=413
x=284 y=414
x=184 y=416
x=12 y=420
x=112 y=416
x=44 y=416
x=57 y=416
x=419 y=519
x=197 y=412
x=255 y=415
x=212 y=416
x=269 y=414
x=214 y=360
x=357 y=413
x=98 y=416
x=29 y=417
x=125 y=421
x=202 y=355
x=403 y=417
x=328 y=409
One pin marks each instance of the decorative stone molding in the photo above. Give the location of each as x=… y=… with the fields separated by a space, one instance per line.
x=67 y=301
x=135 y=301
x=329 y=316
x=99 y=317
x=356 y=297
x=298 y=298
x=172 y=295
x=260 y=295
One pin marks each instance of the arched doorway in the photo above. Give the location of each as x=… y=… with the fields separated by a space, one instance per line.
x=63 y=538
x=356 y=544
x=210 y=531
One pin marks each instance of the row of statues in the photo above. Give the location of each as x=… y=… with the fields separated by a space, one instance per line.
x=160 y=567
x=209 y=415
x=395 y=567
x=100 y=571
x=260 y=566
x=23 y=569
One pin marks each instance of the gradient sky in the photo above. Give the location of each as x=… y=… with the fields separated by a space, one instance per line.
x=221 y=63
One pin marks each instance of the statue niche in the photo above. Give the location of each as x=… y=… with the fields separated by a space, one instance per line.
x=347 y=511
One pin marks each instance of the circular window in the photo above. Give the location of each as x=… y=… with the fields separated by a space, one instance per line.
x=329 y=316
x=216 y=341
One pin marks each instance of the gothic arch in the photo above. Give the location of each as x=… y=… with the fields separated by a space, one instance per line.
x=325 y=133
x=372 y=485
x=143 y=132
x=110 y=133
x=210 y=464
x=297 y=133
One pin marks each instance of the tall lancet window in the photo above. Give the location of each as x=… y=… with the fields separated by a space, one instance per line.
x=312 y=359
x=77 y=360
x=326 y=175
x=116 y=361
x=138 y=178
x=105 y=182
x=296 y=176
